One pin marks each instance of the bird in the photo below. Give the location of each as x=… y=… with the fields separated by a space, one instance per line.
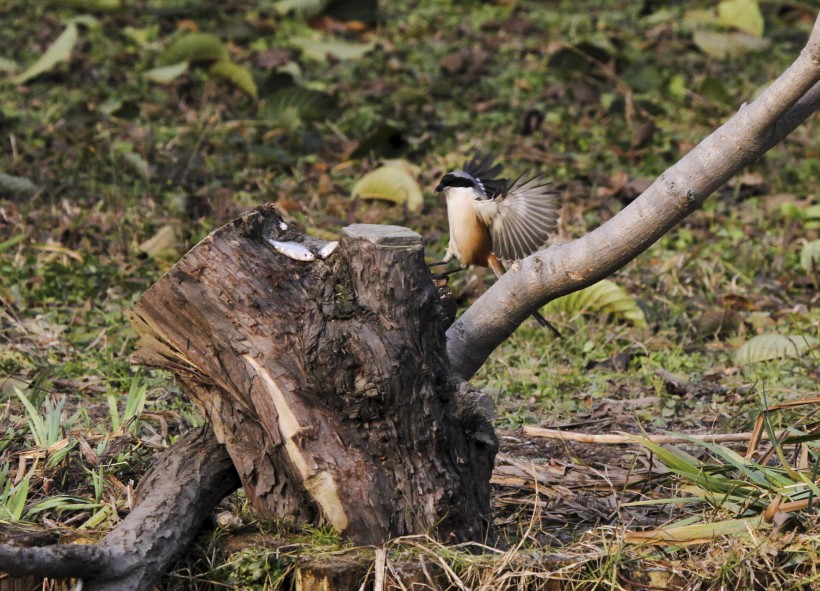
x=493 y=219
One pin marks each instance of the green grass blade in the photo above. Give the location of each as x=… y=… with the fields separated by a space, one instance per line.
x=113 y=412
x=36 y=425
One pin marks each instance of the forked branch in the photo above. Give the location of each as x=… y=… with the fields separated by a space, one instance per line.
x=679 y=191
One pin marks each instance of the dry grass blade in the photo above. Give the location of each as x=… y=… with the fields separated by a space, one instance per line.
x=759 y=431
x=627 y=438
x=451 y=575
x=738 y=483
x=553 y=480
x=379 y=569
x=698 y=533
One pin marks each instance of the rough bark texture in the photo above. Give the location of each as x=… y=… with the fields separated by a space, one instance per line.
x=326 y=379
x=173 y=499
x=680 y=190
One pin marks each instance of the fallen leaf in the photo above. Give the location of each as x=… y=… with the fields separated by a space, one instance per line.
x=166 y=74
x=601 y=299
x=725 y=45
x=741 y=14
x=810 y=256
x=193 y=47
x=272 y=58
x=319 y=48
x=774 y=346
x=16 y=184
x=236 y=74
x=58 y=52
x=395 y=181
x=163 y=240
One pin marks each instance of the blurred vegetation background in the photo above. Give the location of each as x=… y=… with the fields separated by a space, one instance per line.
x=131 y=129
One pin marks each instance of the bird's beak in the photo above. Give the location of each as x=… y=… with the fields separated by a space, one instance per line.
x=439 y=188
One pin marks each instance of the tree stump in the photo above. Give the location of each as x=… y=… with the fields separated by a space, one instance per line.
x=326 y=378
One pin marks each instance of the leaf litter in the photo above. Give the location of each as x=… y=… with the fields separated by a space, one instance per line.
x=72 y=220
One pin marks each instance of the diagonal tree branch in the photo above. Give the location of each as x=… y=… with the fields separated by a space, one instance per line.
x=680 y=190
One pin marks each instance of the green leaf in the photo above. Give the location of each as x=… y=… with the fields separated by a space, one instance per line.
x=773 y=346
x=698 y=17
x=135 y=402
x=193 y=47
x=16 y=500
x=741 y=14
x=60 y=503
x=167 y=74
x=4 y=245
x=84 y=20
x=138 y=164
x=55 y=457
x=688 y=467
x=297 y=102
x=300 y=7
x=602 y=299
x=90 y=5
x=724 y=45
x=36 y=424
x=113 y=412
x=16 y=184
x=810 y=256
x=753 y=471
x=104 y=513
x=237 y=75
x=395 y=181
x=319 y=48
x=58 y=52
x=7 y=65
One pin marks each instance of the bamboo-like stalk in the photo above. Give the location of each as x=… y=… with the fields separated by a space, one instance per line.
x=626 y=438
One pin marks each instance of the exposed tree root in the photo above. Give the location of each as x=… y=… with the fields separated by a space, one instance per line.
x=173 y=500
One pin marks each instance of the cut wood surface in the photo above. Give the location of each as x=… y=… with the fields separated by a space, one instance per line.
x=326 y=379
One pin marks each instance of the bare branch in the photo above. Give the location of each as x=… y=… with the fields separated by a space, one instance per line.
x=679 y=191
x=627 y=438
x=61 y=561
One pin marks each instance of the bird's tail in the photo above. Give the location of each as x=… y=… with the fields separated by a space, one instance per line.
x=545 y=323
x=498 y=268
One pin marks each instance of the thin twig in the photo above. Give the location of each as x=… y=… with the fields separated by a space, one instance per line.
x=623 y=438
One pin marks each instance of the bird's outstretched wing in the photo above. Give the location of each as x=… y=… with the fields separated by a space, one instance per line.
x=481 y=167
x=521 y=218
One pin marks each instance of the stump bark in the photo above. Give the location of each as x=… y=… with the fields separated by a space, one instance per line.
x=326 y=379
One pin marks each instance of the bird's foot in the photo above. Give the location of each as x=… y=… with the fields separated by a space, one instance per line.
x=446 y=274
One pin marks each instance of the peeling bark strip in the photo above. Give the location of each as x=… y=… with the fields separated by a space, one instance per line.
x=326 y=379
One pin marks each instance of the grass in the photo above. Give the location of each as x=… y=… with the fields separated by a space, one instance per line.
x=105 y=160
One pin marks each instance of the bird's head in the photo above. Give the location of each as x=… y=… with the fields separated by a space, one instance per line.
x=460 y=179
